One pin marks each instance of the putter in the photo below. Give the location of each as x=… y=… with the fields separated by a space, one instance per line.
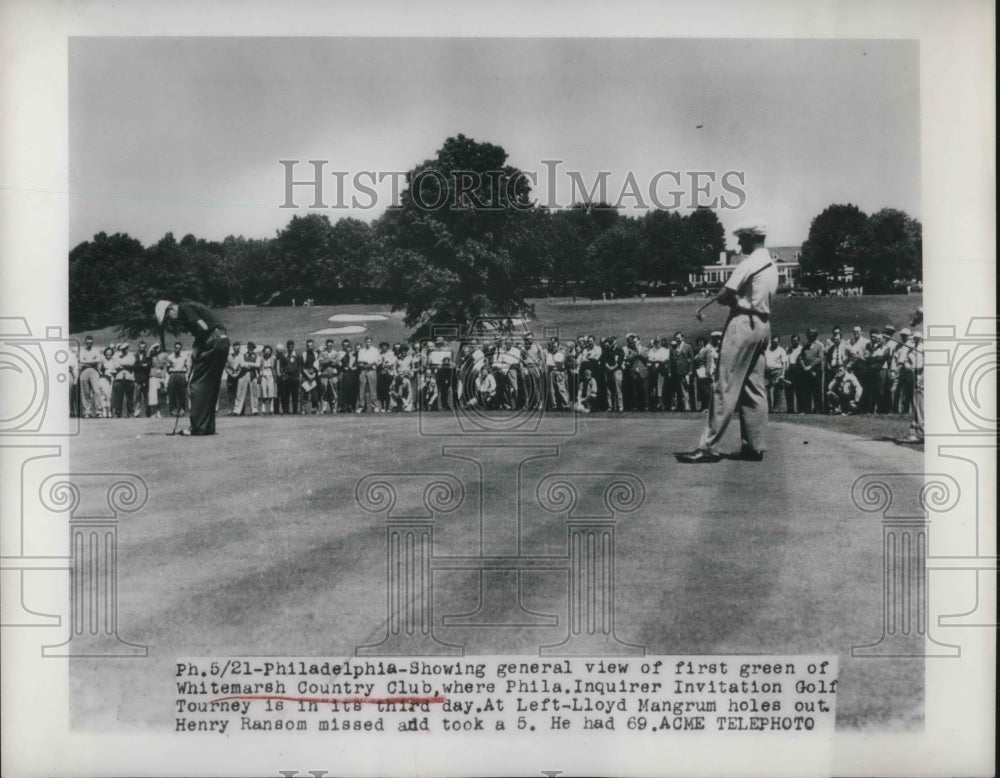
x=177 y=418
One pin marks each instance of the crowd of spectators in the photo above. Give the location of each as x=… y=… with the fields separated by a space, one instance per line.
x=873 y=374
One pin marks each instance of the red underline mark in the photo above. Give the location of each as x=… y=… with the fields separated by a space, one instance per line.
x=336 y=700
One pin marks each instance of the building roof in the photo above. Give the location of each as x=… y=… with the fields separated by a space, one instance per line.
x=782 y=254
x=785 y=253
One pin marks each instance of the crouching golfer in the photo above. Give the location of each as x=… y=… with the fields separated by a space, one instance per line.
x=740 y=383
x=208 y=358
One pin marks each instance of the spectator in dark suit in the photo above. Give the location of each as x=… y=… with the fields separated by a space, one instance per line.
x=636 y=374
x=612 y=364
x=289 y=369
x=681 y=370
x=812 y=359
x=793 y=376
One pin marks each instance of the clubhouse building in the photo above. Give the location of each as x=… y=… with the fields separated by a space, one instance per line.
x=786 y=258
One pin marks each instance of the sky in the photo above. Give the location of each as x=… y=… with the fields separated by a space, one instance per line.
x=185 y=135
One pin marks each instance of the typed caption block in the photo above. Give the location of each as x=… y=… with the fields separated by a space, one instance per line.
x=658 y=695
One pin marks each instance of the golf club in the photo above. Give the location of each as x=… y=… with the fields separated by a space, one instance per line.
x=177 y=418
x=699 y=315
x=750 y=278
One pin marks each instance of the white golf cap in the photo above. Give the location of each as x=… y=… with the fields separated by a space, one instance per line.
x=918 y=333
x=161 y=311
x=715 y=334
x=751 y=227
x=905 y=331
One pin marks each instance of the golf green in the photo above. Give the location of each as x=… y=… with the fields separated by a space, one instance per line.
x=253 y=542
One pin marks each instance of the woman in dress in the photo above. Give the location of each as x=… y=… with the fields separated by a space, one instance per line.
x=268 y=381
x=157 y=379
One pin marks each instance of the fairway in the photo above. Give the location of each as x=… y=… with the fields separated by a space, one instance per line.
x=563 y=317
x=252 y=542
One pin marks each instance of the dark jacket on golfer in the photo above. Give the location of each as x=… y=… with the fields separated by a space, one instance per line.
x=208 y=361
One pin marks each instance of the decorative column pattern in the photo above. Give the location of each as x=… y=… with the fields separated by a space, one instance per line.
x=409 y=502
x=94 y=565
x=979 y=567
x=591 y=502
x=17 y=566
x=904 y=499
x=500 y=487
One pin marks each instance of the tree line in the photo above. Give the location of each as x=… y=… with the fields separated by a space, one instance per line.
x=485 y=253
x=880 y=249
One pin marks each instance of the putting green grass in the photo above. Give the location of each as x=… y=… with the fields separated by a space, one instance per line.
x=252 y=543
x=655 y=316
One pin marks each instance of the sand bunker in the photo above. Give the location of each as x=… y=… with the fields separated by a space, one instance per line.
x=341 y=317
x=350 y=330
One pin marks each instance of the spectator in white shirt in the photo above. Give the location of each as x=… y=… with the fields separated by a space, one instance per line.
x=856 y=348
x=775 y=367
x=658 y=357
x=485 y=393
x=843 y=393
x=90 y=378
x=587 y=397
x=123 y=384
x=555 y=367
x=368 y=358
x=178 y=366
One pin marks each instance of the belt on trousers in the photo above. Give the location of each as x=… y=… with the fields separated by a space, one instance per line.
x=734 y=312
x=751 y=313
x=178 y=372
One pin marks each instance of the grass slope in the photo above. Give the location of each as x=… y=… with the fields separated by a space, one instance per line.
x=659 y=316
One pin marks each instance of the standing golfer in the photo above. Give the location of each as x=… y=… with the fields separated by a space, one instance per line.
x=208 y=358
x=740 y=384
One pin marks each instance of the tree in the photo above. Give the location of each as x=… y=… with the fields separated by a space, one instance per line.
x=619 y=258
x=837 y=237
x=100 y=273
x=303 y=257
x=250 y=265
x=348 y=268
x=680 y=245
x=706 y=239
x=566 y=247
x=459 y=245
x=894 y=249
